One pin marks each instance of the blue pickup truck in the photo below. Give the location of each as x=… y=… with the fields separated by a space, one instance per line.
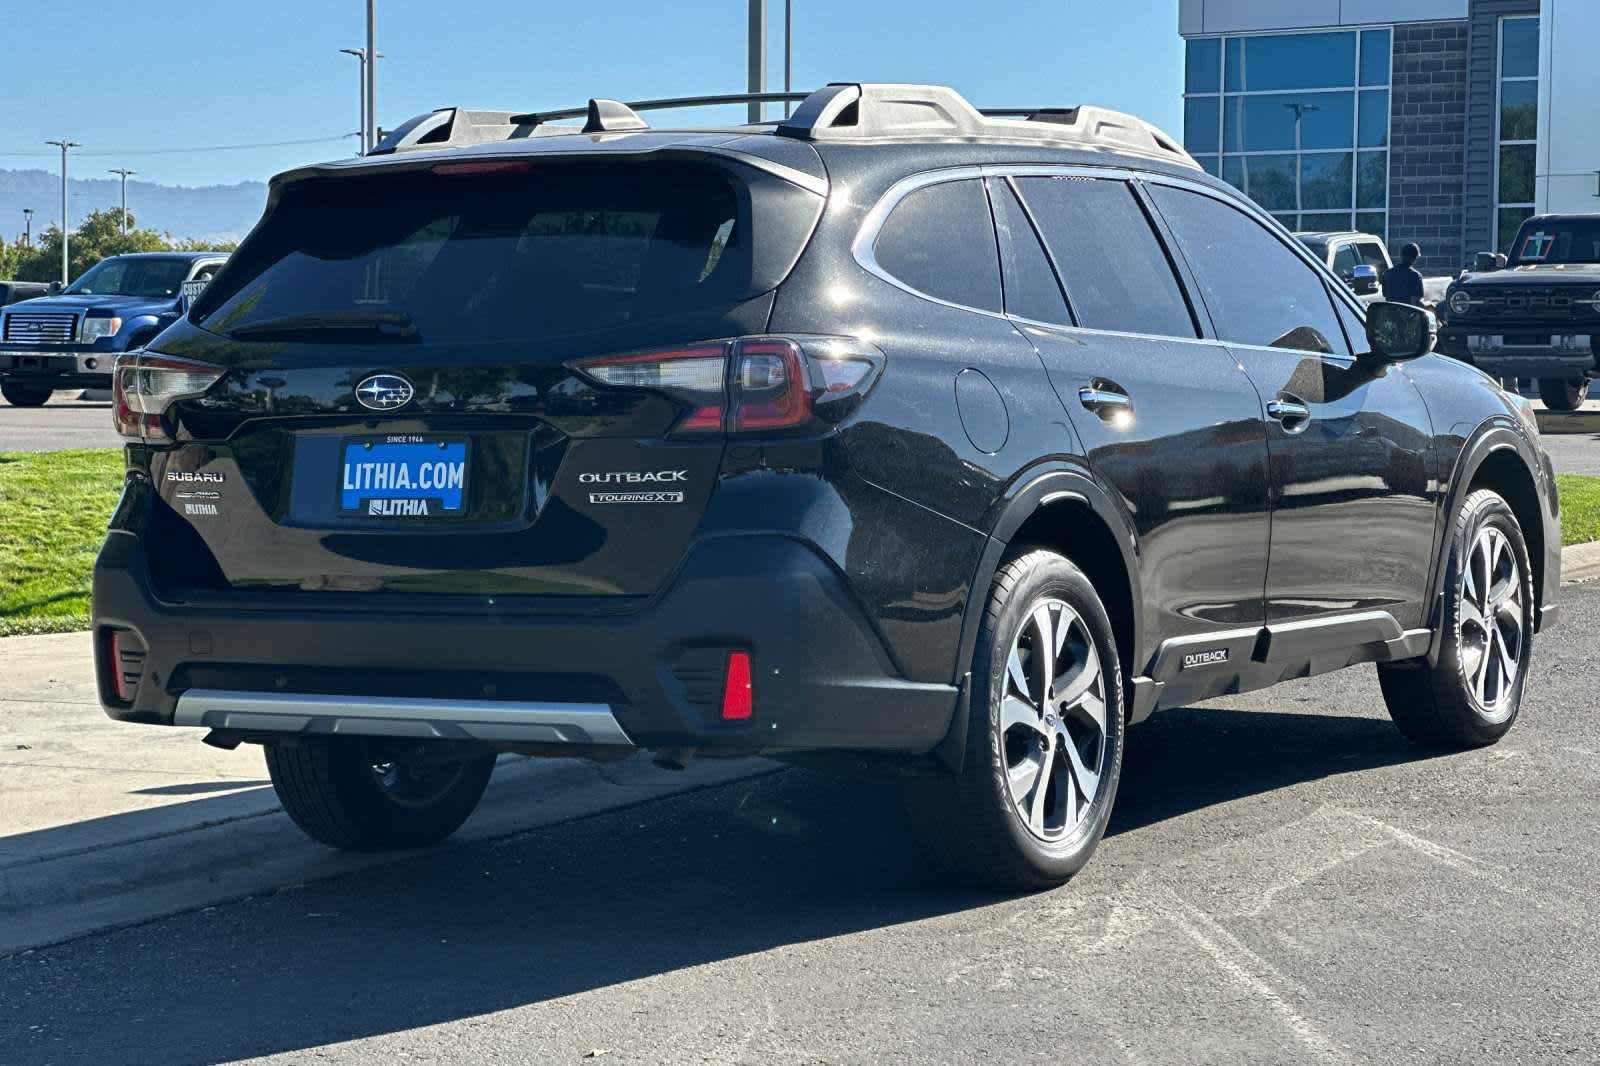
x=70 y=339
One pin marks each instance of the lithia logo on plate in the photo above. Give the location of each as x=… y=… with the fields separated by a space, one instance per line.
x=1205 y=658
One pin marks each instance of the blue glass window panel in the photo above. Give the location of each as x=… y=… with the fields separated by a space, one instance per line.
x=1233 y=171
x=1519 y=110
x=1325 y=181
x=1516 y=173
x=1375 y=46
x=1270 y=181
x=1267 y=123
x=1234 y=67
x=1374 y=222
x=1203 y=66
x=1295 y=61
x=1201 y=120
x=1325 y=222
x=1372 y=180
x=1208 y=163
x=1519 y=48
x=1374 y=129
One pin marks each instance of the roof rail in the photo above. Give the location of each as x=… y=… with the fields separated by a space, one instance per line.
x=847 y=111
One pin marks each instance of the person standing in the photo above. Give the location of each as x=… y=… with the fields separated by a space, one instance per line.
x=1402 y=283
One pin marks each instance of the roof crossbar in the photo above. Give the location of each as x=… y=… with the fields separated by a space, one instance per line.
x=838 y=112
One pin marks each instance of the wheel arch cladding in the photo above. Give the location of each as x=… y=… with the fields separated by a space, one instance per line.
x=1071 y=528
x=1504 y=471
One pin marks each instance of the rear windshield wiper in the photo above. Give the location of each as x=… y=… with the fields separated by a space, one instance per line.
x=383 y=325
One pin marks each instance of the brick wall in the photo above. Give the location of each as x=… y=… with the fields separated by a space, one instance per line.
x=1427 y=143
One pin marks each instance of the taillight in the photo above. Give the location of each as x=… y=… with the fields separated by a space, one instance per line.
x=750 y=385
x=144 y=385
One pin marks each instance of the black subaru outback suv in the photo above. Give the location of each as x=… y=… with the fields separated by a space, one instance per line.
x=895 y=432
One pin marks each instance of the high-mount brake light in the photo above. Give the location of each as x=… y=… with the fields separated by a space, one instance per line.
x=752 y=386
x=486 y=166
x=144 y=385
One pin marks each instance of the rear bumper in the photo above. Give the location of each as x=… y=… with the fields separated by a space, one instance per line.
x=58 y=368
x=820 y=676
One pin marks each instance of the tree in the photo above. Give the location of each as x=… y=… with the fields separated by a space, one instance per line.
x=100 y=235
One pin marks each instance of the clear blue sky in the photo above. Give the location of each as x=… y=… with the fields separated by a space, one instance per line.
x=150 y=76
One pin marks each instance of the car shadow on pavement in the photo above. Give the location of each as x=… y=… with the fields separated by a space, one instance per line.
x=658 y=887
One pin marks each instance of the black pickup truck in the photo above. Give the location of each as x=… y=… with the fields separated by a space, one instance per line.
x=1538 y=316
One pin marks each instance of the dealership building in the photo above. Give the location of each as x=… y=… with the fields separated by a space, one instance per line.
x=1444 y=122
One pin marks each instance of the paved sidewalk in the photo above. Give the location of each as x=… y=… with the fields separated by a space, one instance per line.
x=104 y=824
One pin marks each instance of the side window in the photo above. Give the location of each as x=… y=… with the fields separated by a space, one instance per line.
x=1116 y=273
x=1345 y=261
x=1031 y=289
x=1371 y=253
x=1258 y=291
x=1355 y=329
x=940 y=241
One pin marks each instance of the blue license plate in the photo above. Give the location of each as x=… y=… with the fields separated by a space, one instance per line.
x=405 y=476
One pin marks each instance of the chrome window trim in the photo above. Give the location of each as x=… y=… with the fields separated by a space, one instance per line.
x=862 y=247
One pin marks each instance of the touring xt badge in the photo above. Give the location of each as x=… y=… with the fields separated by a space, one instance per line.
x=639 y=478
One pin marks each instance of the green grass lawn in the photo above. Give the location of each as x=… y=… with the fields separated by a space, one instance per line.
x=1580 y=508
x=53 y=512
x=54 y=507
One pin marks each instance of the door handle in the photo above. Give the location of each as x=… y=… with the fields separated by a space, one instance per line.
x=1107 y=402
x=1292 y=412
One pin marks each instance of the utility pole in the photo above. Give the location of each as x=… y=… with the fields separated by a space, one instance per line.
x=65 y=146
x=124 y=173
x=788 y=52
x=371 y=109
x=27 y=226
x=758 y=54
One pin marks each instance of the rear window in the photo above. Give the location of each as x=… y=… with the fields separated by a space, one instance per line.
x=470 y=257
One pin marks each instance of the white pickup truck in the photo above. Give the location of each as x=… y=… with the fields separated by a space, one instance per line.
x=1360 y=259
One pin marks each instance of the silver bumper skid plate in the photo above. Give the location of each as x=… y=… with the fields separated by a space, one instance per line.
x=386 y=716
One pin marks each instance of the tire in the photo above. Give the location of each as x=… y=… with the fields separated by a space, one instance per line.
x=976 y=822
x=24 y=395
x=1563 y=394
x=1468 y=699
x=357 y=794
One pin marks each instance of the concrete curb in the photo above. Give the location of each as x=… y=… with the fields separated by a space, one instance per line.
x=1580 y=562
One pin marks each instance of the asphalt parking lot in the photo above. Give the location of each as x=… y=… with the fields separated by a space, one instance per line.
x=65 y=422
x=1285 y=880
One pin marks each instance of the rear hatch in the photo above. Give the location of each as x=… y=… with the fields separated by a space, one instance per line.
x=482 y=377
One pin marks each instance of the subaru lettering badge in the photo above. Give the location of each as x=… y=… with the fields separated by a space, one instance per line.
x=384 y=392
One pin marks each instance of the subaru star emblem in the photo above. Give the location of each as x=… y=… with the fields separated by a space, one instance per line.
x=384 y=392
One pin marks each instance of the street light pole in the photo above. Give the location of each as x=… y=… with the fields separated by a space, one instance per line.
x=371 y=123
x=27 y=226
x=124 y=173
x=361 y=72
x=758 y=55
x=65 y=146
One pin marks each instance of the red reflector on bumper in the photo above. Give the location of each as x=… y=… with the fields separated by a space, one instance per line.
x=736 y=701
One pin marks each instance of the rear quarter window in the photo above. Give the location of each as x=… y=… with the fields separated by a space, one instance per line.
x=939 y=240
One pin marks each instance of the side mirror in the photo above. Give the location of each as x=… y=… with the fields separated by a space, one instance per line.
x=1485 y=262
x=1400 y=331
x=1364 y=279
x=54 y=289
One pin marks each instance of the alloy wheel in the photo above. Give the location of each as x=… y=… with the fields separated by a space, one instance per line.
x=1492 y=621
x=1053 y=720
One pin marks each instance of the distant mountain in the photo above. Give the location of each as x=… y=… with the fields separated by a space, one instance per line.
x=220 y=212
